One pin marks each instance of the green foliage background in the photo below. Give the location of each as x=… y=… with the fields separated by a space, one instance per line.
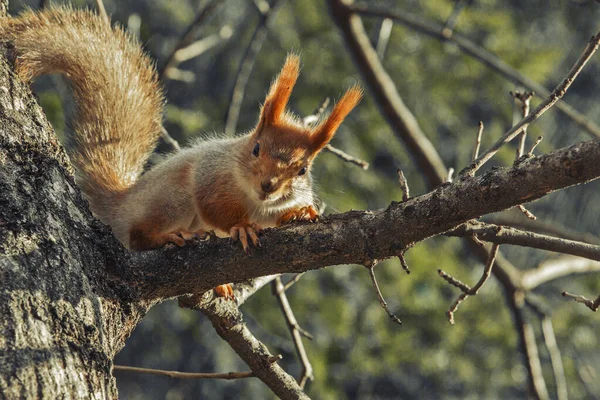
x=357 y=352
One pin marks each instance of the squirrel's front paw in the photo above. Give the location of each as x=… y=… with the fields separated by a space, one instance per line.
x=243 y=231
x=225 y=291
x=307 y=213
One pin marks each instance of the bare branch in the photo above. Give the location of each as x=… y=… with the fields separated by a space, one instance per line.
x=385 y=31
x=508 y=235
x=557 y=268
x=228 y=322
x=403 y=262
x=480 y=54
x=200 y=46
x=358 y=236
x=382 y=301
x=478 y=141
x=292 y=281
x=313 y=118
x=188 y=36
x=556 y=95
x=555 y=358
x=296 y=331
x=466 y=290
x=403 y=185
x=453 y=281
x=383 y=90
x=553 y=228
x=450 y=173
x=102 y=11
x=186 y=375
x=451 y=22
x=527 y=345
x=524 y=99
x=347 y=157
x=527 y=213
x=591 y=304
x=168 y=139
x=538 y=141
x=246 y=66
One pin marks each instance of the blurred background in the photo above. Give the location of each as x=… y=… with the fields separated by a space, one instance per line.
x=357 y=352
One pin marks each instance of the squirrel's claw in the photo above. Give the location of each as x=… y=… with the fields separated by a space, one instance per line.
x=182 y=237
x=244 y=231
x=307 y=213
x=225 y=291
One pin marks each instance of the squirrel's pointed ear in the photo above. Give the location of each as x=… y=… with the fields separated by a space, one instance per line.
x=323 y=133
x=280 y=91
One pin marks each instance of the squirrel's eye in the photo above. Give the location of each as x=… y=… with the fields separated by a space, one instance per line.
x=302 y=171
x=256 y=150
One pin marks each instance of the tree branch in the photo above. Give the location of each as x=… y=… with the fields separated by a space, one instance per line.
x=508 y=235
x=186 y=375
x=360 y=236
x=188 y=36
x=228 y=322
x=295 y=330
x=478 y=53
x=555 y=96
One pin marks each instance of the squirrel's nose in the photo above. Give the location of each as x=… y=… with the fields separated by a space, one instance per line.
x=268 y=186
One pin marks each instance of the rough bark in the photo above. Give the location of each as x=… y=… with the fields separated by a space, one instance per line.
x=62 y=320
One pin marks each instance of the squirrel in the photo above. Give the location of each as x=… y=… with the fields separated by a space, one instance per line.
x=233 y=186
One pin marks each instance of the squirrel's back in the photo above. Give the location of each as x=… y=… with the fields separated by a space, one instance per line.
x=118 y=101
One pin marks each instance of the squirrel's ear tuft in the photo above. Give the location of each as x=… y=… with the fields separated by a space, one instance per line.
x=280 y=91
x=323 y=133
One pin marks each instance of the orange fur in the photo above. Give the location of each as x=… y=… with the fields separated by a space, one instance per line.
x=325 y=131
x=219 y=206
x=280 y=91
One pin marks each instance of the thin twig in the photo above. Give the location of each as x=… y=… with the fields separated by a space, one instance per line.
x=347 y=157
x=553 y=228
x=538 y=141
x=524 y=99
x=246 y=66
x=591 y=304
x=556 y=95
x=403 y=185
x=403 y=263
x=188 y=36
x=102 y=11
x=228 y=322
x=466 y=290
x=450 y=173
x=555 y=358
x=453 y=281
x=507 y=235
x=313 y=118
x=168 y=139
x=478 y=141
x=292 y=281
x=200 y=46
x=478 y=53
x=382 y=301
x=186 y=375
x=557 y=268
x=296 y=331
x=527 y=213
x=451 y=22
x=385 y=31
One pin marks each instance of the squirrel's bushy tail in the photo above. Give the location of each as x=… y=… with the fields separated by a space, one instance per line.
x=118 y=101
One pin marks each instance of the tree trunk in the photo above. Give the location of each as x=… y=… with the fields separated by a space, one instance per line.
x=60 y=324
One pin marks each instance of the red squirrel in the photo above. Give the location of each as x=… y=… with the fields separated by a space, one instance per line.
x=234 y=186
